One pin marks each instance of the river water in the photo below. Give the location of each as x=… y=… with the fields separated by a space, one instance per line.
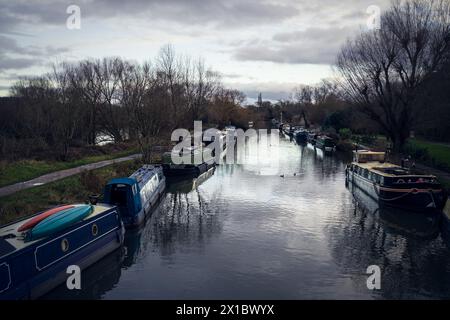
x=262 y=231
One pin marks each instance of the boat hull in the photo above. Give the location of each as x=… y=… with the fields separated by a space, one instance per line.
x=186 y=170
x=407 y=199
x=137 y=220
x=31 y=272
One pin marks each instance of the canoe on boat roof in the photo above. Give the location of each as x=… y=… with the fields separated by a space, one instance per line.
x=59 y=221
x=34 y=221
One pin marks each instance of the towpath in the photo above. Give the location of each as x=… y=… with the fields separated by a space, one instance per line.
x=58 y=175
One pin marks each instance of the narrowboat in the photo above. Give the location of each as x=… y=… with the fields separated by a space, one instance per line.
x=301 y=136
x=136 y=196
x=445 y=226
x=35 y=260
x=187 y=168
x=392 y=185
x=325 y=143
x=312 y=138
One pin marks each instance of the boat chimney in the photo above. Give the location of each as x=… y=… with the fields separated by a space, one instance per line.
x=93 y=199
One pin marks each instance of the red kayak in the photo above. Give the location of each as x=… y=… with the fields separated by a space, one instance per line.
x=31 y=223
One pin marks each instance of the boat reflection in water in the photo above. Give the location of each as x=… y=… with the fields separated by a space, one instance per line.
x=418 y=224
x=96 y=280
x=177 y=185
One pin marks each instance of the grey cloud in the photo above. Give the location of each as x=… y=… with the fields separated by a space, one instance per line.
x=311 y=46
x=230 y=13
x=7 y=63
x=14 y=57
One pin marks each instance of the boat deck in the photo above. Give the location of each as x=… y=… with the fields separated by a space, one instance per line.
x=9 y=236
x=380 y=167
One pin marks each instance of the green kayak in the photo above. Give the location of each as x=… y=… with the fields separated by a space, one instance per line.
x=59 y=221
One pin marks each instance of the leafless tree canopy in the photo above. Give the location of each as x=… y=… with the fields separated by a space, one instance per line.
x=383 y=71
x=117 y=98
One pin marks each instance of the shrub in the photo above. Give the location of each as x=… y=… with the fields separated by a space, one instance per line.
x=91 y=182
x=418 y=153
x=345 y=133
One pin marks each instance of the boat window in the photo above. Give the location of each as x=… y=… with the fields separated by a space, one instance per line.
x=366 y=173
x=377 y=178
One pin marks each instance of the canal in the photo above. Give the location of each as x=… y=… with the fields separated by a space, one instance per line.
x=259 y=230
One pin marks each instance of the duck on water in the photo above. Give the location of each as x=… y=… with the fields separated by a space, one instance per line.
x=393 y=185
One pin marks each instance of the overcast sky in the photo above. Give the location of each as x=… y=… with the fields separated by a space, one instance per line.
x=267 y=46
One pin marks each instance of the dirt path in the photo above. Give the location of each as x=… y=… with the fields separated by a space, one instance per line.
x=58 y=175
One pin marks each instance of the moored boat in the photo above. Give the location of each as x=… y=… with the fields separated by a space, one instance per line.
x=301 y=136
x=325 y=143
x=189 y=167
x=446 y=222
x=392 y=185
x=136 y=195
x=32 y=266
x=312 y=138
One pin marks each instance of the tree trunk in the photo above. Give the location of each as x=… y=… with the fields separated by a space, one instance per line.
x=398 y=142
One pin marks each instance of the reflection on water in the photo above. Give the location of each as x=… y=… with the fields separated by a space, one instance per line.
x=285 y=229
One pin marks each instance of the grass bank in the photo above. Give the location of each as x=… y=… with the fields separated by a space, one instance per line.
x=23 y=170
x=69 y=190
x=431 y=153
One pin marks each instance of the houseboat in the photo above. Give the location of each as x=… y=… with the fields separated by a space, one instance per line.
x=312 y=138
x=392 y=185
x=325 y=143
x=188 y=167
x=136 y=196
x=446 y=220
x=301 y=136
x=35 y=252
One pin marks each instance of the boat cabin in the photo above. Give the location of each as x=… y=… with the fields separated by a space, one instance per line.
x=363 y=156
x=373 y=167
x=136 y=194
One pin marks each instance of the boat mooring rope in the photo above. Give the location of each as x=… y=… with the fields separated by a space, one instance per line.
x=402 y=196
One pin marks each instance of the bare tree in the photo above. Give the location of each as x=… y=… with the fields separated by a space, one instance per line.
x=382 y=70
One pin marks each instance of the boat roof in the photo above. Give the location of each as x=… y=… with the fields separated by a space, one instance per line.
x=126 y=181
x=369 y=152
x=380 y=168
x=12 y=240
x=142 y=175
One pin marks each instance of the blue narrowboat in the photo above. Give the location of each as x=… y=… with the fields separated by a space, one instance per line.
x=35 y=260
x=136 y=195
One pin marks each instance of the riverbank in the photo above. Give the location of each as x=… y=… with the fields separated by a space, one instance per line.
x=27 y=169
x=76 y=188
x=429 y=157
